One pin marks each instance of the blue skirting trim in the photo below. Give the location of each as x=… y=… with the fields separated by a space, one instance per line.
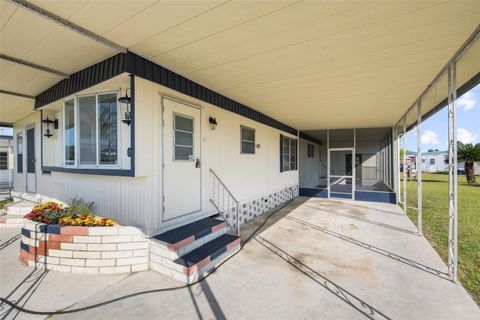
x=311 y=192
x=340 y=195
x=385 y=197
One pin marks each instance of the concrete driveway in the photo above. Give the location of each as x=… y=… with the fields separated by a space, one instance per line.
x=315 y=258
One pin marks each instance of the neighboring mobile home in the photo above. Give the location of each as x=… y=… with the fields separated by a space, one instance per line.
x=6 y=162
x=437 y=162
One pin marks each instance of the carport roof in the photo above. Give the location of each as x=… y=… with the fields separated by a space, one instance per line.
x=307 y=64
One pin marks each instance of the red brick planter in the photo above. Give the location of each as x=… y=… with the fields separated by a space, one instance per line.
x=96 y=250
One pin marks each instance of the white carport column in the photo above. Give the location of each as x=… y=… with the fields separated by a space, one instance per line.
x=395 y=165
x=419 y=165
x=452 y=173
x=404 y=165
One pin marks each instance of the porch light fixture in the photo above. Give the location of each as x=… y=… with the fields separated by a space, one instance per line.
x=50 y=121
x=126 y=100
x=213 y=122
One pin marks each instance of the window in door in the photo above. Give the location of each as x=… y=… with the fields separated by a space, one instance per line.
x=19 y=153
x=310 y=150
x=183 y=130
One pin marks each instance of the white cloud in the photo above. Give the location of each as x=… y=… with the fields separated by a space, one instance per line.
x=430 y=137
x=466 y=136
x=467 y=101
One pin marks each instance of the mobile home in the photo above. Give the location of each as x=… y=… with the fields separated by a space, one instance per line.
x=165 y=114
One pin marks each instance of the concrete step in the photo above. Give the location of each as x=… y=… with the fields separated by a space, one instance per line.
x=179 y=241
x=11 y=221
x=20 y=208
x=199 y=262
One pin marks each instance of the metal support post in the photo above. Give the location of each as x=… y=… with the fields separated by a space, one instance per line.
x=452 y=174
x=404 y=165
x=419 y=165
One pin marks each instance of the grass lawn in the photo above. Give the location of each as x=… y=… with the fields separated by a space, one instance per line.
x=435 y=223
x=4 y=202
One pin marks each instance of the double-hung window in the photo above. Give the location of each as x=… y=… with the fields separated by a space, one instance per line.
x=247 y=140
x=90 y=131
x=288 y=153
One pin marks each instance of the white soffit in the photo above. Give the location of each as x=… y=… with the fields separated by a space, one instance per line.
x=13 y=108
x=312 y=64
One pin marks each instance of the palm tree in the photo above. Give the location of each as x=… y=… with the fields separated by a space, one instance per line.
x=469 y=154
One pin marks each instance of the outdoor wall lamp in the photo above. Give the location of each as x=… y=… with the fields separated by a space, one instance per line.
x=213 y=122
x=126 y=100
x=50 y=121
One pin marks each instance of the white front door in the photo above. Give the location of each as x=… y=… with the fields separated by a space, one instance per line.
x=181 y=159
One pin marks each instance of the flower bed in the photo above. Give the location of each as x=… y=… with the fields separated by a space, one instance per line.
x=78 y=214
x=56 y=239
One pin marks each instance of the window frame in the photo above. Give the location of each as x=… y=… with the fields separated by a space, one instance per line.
x=248 y=141
x=432 y=161
x=174 y=114
x=17 y=149
x=291 y=141
x=98 y=165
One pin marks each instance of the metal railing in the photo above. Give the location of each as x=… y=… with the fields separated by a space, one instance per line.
x=225 y=202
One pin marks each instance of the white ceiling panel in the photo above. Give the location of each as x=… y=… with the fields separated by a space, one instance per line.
x=158 y=18
x=14 y=108
x=335 y=63
x=218 y=20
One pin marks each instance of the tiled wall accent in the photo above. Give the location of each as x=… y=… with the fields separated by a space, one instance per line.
x=254 y=208
x=96 y=250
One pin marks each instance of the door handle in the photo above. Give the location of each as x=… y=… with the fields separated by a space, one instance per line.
x=197 y=163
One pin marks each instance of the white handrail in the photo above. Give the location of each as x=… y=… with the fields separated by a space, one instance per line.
x=222 y=198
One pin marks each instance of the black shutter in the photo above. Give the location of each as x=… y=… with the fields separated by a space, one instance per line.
x=281 y=153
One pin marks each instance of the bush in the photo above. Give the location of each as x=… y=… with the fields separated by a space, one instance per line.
x=78 y=206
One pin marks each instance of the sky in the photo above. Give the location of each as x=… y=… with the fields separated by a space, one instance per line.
x=435 y=128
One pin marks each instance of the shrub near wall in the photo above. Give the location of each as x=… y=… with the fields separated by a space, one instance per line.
x=78 y=249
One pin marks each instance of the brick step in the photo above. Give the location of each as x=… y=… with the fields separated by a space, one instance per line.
x=182 y=240
x=20 y=208
x=11 y=221
x=197 y=263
